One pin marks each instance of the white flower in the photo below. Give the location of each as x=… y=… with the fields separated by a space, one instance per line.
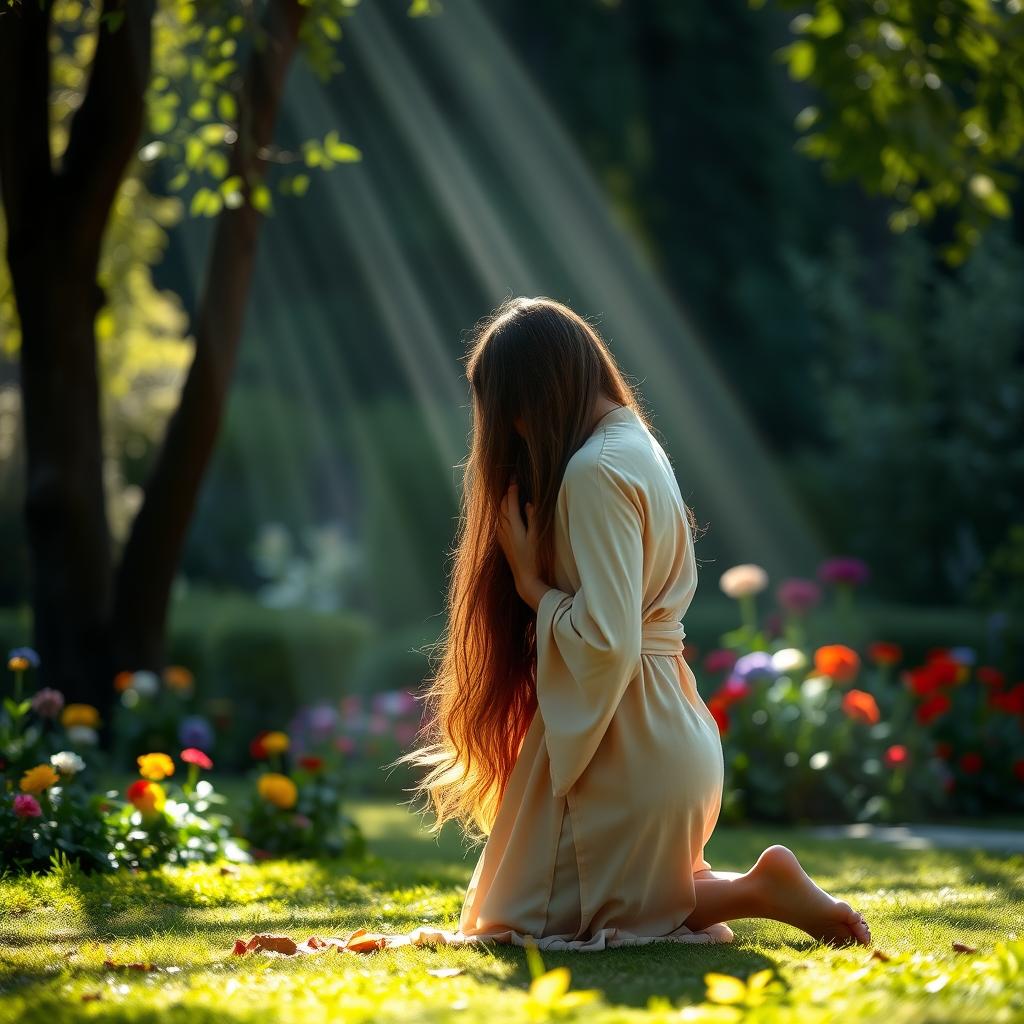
x=67 y=762
x=789 y=659
x=820 y=760
x=743 y=580
x=815 y=686
x=145 y=684
x=83 y=734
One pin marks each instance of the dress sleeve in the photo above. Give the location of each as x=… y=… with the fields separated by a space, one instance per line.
x=588 y=643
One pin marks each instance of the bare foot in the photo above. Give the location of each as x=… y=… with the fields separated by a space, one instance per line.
x=789 y=895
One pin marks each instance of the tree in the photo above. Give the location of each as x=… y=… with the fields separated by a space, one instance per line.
x=920 y=101
x=204 y=80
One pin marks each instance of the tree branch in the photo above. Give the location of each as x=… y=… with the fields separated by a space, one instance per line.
x=157 y=536
x=105 y=131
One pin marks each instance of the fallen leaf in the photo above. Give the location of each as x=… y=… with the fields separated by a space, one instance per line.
x=962 y=947
x=114 y=966
x=877 y=954
x=92 y=997
x=444 y=972
x=227 y=869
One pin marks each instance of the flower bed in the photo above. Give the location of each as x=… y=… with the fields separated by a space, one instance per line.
x=817 y=731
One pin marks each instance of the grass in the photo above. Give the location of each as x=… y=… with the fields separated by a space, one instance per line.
x=58 y=932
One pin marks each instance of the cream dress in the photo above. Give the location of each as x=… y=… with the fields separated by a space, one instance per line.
x=618 y=785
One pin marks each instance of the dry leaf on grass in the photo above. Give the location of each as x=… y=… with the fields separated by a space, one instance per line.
x=962 y=947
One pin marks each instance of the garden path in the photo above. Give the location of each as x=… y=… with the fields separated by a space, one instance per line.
x=926 y=837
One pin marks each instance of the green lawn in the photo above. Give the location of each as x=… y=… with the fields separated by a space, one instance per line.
x=57 y=932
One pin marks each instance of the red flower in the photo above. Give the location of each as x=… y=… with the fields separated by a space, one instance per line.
x=938 y=672
x=970 y=763
x=896 y=755
x=934 y=707
x=731 y=691
x=311 y=764
x=256 y=748
x=991 y=677
x=1018 y=768
x=944 y=750
x=192 y=755
x=1012 y=701
x=882 y=653
x=721 y=715
x=861 y=707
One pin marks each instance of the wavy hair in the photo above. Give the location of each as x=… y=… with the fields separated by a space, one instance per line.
x=537 y=359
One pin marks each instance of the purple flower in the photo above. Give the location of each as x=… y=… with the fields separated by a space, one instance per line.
x=844 y=570
x=196 y=731
x=48 y=703
x=755 y=665
x=963 y=655
x=798 y=596
x=322 y=719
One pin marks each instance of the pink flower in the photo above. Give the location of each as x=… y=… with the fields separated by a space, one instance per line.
x=844 y=571
x=27 y=806
x=48 y=703
x=720 y=660
x=798 y=596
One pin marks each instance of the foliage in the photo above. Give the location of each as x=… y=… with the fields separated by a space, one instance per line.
x=922 y=102
x=318 y=575
x=913 y=407
x=69 y=941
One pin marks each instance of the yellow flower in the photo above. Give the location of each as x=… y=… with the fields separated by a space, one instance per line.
x=155 y=766
x=35 y=780
x=80 y=714
x=278 y=790
x=177 y=677
x=275 y=742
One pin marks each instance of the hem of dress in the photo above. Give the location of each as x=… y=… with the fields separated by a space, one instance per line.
x=362 y=941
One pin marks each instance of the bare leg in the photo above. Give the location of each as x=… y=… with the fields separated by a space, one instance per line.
x=778 y=888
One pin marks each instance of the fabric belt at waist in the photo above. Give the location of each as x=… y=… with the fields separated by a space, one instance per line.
x=661 y=637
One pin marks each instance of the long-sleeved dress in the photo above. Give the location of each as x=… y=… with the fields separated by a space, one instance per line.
x=618 y=784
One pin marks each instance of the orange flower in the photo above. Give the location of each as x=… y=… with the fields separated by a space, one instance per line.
x=861 y=707
x=155 y=766
x=122 y=681
x=177 y=677
x=275 y=742
x=278 y=790
x=146 y=796
x=882 y=653
x=80 y=714
x=35 y=780
x=837 y=661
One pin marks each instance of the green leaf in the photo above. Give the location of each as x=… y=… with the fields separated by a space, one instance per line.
x=261 y=198
x=800 y=56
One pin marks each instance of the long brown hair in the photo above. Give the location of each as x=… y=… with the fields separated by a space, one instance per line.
x=537 y=359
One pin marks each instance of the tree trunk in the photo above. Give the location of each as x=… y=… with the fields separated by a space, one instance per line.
x=155 y=543
x=55 y=225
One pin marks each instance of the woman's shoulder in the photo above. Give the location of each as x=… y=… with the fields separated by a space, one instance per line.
x=622 y=452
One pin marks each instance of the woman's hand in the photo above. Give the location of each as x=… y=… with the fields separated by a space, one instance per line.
x=519 y=543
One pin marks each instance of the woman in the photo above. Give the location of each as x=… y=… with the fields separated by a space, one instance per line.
x=563 y=722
